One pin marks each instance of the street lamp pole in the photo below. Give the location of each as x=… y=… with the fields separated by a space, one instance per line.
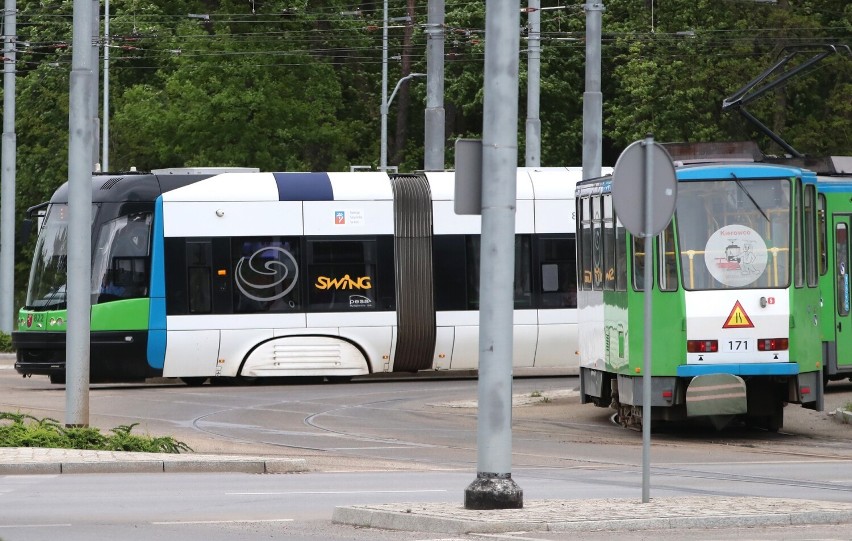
x=399 y=83
x=105 y=141
x=385 y=107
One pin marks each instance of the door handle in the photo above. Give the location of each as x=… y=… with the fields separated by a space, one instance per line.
x=839 y=325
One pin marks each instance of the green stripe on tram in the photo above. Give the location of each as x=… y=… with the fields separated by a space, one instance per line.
x=124 y=315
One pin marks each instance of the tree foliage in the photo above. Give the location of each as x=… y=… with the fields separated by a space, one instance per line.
x=297 y=86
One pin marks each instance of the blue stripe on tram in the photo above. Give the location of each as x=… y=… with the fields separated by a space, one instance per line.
x=304 y=187
x=157 y=313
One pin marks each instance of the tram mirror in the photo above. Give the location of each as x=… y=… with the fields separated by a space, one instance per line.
x=22 y=234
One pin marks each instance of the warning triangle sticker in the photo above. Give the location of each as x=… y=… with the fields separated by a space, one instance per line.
x=738 y=319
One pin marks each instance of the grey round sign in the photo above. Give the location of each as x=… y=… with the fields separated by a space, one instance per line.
x=628 y=188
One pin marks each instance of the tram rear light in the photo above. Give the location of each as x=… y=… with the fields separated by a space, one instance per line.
x=805 y=390
x=667 y=394
x=702 y=346
x=772 y=344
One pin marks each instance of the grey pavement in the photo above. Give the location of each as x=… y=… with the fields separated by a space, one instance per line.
x=38 y=460
x=604 y=514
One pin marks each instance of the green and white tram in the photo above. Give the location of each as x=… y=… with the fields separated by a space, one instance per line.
x=210 y=273
x=736 y=300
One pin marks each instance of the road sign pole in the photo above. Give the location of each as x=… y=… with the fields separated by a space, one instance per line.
x=646 y=361
x=640 y=176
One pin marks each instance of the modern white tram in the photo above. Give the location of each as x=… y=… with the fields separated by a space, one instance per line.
x=250 y=274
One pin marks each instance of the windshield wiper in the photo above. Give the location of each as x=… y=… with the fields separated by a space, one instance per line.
x=745 y=191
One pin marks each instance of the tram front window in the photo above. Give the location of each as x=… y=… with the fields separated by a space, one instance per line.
x=734 y=233
x=46 y=288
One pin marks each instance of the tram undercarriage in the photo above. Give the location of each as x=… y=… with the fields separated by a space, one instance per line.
x=719 y=398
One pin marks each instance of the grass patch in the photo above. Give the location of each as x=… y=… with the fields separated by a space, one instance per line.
x=22 y=430
x=6 y=343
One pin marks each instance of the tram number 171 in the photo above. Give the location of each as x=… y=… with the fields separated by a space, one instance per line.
x=738 y=345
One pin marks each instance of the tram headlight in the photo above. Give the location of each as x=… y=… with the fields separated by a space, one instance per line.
x=772 y=344
x=702 y=346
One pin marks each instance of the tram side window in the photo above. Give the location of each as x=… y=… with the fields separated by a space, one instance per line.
x=586 y=244
x=810 y=235
x=597 y=244
x=122 y=258
x=266 y=274
x=557 y=260
x=667 y=258
x=841 y=238
x=523 y=272
x=609 y=244
x=198 y=268
x=342 y=275
x=639 y=263
x=822 y=242
x=523 y=264
x=799 y=259
x=620 y=256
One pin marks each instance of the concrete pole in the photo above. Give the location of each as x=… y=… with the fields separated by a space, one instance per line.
x=592 y=98
x=434 y=133
x=80 y=142
x=105 y=134
x=96 y=52
x=7 y=193
x=494 y=487
x=533 y=146
x=383 y=157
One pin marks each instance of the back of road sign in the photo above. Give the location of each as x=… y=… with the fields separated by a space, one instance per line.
x=629 y=192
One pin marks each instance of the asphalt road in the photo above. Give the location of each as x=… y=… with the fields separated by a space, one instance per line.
x=400 y=440
x=420 y=424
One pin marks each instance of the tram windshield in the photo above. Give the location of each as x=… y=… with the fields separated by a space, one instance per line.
x=120 y=266
x=734 y=233
x=46 y=288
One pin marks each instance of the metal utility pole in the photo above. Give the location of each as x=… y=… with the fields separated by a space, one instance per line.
x=592 y=97
x=80 y=143
x=96 y=52
x=7 y=193
x=494 y=487
x=383 y=156
x=533 y=145
x=105 y=134
x=433 y=157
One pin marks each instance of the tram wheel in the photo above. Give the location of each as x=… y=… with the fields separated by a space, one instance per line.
x=194 y=382
x=57 y=379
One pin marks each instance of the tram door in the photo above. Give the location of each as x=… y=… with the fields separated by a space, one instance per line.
x=842 y=289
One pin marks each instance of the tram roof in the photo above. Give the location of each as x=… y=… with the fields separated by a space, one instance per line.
x=740 y=170
x=834 y=184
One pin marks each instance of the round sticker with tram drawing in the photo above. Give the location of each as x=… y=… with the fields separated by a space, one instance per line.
x=735 y=255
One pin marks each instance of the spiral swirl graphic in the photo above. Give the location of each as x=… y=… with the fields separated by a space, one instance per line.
x=277 y=270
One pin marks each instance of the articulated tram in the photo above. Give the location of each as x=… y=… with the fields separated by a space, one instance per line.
x=736 y=328
x=210 y=273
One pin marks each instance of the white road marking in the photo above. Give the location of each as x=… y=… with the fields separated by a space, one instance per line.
x=35 y=525
x=332 y=492
x=243 y=521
